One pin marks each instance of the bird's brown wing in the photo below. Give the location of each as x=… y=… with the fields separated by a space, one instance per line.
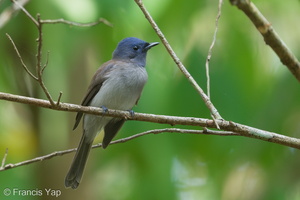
x=94 y=87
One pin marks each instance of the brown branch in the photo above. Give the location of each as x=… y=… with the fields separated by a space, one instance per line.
x=39 y=68
x=270 y=35
x=155 y=131
x=183 y=69
x=240 y=129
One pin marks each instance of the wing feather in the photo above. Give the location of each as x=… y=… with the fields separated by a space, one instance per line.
x=110 y=131
x=100 y=76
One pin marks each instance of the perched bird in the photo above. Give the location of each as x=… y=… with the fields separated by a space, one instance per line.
x=117 y=84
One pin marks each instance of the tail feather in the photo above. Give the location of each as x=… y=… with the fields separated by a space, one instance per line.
x=76 y=170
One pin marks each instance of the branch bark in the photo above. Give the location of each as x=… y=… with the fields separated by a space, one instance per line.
x=240 y=129
x=270 y=36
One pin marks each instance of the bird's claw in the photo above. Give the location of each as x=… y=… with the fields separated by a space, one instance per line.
x=131 y=112
x=105 y=110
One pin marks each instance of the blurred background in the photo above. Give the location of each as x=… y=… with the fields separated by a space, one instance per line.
x=249 y=85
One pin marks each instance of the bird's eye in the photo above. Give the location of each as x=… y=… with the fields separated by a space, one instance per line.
x=135 y=48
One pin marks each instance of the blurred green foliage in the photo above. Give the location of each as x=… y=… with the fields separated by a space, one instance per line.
x=249 y=85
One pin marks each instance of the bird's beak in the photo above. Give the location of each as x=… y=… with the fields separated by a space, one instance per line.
x=149 y=46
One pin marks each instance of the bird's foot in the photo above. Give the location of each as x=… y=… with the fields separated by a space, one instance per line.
x=131 y=112
x=105 y=110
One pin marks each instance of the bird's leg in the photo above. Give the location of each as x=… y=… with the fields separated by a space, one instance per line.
x=131 y=113
x=105 y=110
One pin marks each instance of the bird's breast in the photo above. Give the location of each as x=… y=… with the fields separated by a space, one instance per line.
x=122 y=88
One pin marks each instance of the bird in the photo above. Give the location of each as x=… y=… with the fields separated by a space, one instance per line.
x=117 y=84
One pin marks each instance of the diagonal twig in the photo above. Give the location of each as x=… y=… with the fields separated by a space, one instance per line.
x=155 y=131
x=214 y=112
x=26 y=12
x=4 y=159
x=270 y=36
x=7 y=14
x=19 y=55
x=183 y=69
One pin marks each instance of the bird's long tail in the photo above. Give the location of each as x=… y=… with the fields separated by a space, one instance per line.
x=76 y=170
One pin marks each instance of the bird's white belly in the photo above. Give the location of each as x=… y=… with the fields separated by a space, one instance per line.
x=120 y=91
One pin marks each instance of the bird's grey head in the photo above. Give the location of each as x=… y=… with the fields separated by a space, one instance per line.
x=133 y=49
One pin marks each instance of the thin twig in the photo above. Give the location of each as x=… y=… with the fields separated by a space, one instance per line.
x=19 y=55
x=26 y=13
x=211 y=47
x=241 y=129
x=215 y=121
x=7 y=14
x=210 y=53
x=59 y=97
x=183 y=69
x=270 y=36
x=63 y=21
x=39 y=69
x=39 y=24
x=46 y=63
x=4 y=159
x=155 y=131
